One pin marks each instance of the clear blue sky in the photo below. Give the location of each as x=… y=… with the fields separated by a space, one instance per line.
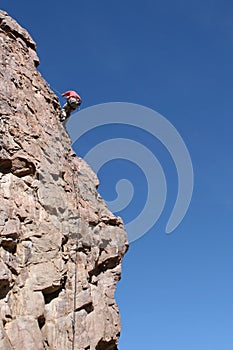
x=176 y=57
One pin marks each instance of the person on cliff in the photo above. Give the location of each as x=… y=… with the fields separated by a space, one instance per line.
x=73 y=101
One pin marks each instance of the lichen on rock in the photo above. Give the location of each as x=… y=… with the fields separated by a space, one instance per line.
x=61 y=248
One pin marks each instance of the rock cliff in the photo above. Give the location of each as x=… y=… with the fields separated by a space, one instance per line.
x=60 y=247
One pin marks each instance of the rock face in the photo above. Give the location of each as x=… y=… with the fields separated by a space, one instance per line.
x=60 y=247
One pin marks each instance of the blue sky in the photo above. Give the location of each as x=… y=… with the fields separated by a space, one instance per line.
x=176 y=57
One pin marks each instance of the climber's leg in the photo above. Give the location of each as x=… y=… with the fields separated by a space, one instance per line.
x=65 y=112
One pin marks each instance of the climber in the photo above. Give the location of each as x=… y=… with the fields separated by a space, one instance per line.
x=73 y=101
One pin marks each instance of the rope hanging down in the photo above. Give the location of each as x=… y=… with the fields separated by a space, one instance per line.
x=76 y=267
x=51 y=87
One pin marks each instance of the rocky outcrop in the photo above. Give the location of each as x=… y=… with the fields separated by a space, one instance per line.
x=60 y=247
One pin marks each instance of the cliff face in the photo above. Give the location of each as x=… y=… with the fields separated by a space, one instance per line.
x=60 y=247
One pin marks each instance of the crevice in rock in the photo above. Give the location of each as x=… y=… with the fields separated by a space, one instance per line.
x=87 y=307
x=4 y=288
x=20 y=217
x=30 y=108
x=106 y=345
x=84 y=249
x=46 y=344
x=9 y=244
x=12 y=268
x=5 y=166
x=41 y=321
x=53 y=292
x=63 y=242
x=48 y=297
x=104 y=266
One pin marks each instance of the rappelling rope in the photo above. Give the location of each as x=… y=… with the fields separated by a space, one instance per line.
x=76 y=190
x=51 y=87
x=76 y=267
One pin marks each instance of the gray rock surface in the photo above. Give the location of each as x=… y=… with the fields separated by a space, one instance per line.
x=60 y=247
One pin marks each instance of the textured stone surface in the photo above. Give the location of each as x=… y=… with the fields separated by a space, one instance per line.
x=60 y=247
